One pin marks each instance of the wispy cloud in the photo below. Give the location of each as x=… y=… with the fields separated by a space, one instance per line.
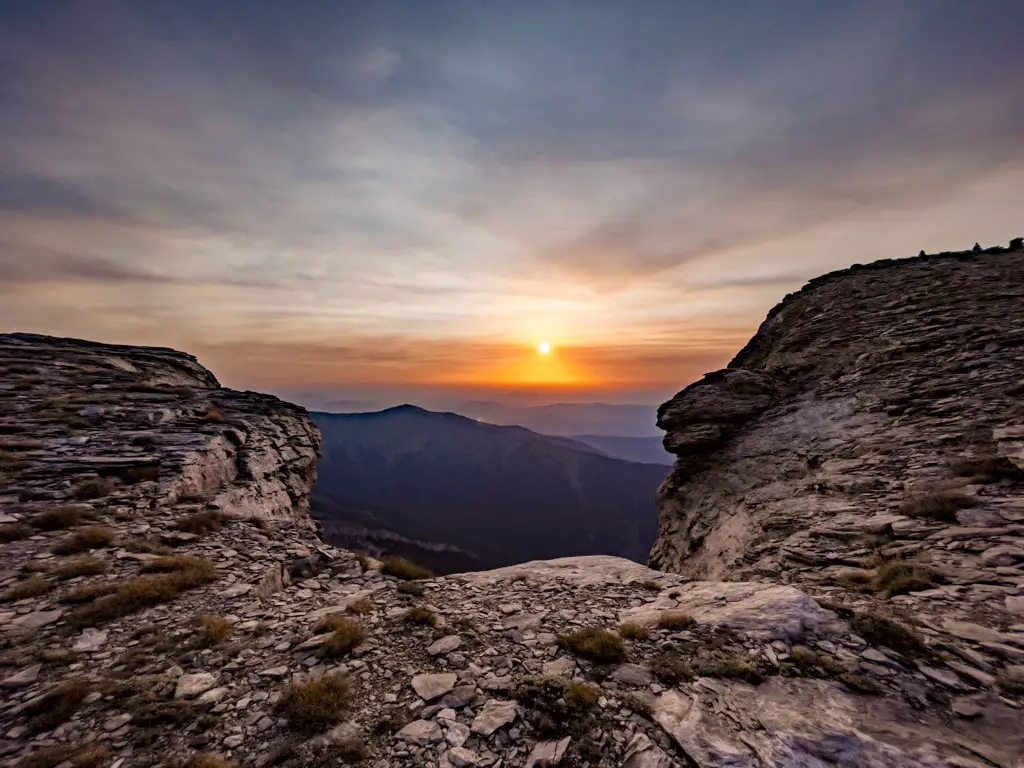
x=416 y=191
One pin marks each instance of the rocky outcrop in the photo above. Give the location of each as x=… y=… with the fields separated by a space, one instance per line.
x=866 y=447
x=164 y=601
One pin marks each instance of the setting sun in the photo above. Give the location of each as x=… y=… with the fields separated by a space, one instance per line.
x=544 y=347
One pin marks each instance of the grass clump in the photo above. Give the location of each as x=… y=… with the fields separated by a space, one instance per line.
x=653 y=586
x=941 y=506
x=173 y=564
x=211 y=416
x=597 y=645
x=420 y=615
x=410 y=588
x=859 y=683
x=899 y=577
x=558 y=707
x=85 y=539
x=201 y=522
x=81 y=566
x=57 y=518
x=1012 y=682
x=144 y=591
x=208 y=761
x=632 y=631
x=347 y=634
x=57 y=705
x=986 y=469
x=670 y=668
x=33 y=586
x=401 y=568
x=144 y=440
x=717 y=664
x=360 y=607
x=94 y=489
x=317 y=704
x=145 y=547
x=88 y=756
x=676 y=621
x=10 y=532
x=878 y=630
x=211 y=630
x=89 y=592
x=637 y=703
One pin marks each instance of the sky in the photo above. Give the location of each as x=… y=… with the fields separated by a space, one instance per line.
x=400 y=200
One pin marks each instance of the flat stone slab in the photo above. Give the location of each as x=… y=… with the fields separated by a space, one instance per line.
x=765 y=611
x=493 y=716
x=430 y=687
x=421 y=732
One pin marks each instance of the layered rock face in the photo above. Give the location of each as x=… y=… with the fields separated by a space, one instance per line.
x=155 y=417
x=164 y=601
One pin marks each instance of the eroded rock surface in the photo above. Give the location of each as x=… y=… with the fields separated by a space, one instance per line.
x=142 y=624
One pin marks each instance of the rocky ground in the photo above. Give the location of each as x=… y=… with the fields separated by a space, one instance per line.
x=166 y=602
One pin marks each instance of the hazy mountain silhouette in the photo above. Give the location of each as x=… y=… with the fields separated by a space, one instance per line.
x=407 y=478
x=569 y=419
x=646 y=450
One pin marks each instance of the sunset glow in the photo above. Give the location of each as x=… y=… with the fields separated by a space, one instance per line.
x=421 y=197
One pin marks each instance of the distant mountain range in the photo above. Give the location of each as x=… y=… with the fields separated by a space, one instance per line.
x=570 y=419
x=459 y=494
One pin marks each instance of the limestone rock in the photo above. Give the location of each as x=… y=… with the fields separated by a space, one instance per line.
x=22 y=679
x=493 y=716
x=430 y=687
x=548 y=753
x=422 y=732
x=190 y=686
x=641 y=752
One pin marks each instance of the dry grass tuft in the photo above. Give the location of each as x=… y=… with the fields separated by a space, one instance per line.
x=81 y=566
x=360 y=607
x=597 y=645
x=57 y=705
x=144 y=591
x=56 y=518
x=85 y=539
x=410 y=588
x=986 y=469
x=346 y=635
x=211 y=630
x=14 y=532
x=208 y=761
x=563 y=706
x=632 y=631
x=202 y=522
x=34 y=586
x=317 y=704
x=941 y=505
x=675 y=621
x=94 y=489
x=173 y=563
x=670 y=668
x=145 y=440
x=878 y=630
x=211 y=416
x=87 y=593
x=653 y=586
x=1011 y=682
x=401 y=568
x=899 y=577
x=419 y=615
x=145 y=546
x=87 y=756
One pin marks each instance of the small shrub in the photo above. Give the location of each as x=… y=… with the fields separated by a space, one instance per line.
x=632 y=631
x=653 y=586
x=81 y=566
x=201 y=522
x=145 y=546
x=34 y=586
x=363 y=560
x=317 y=704
x=85 y=539
x=330 y=623
x=173 y=563
x=94 y=489
x=1012 y=682
x=56 y=518
x=420 y=615
x=14 y=532
x=900 y=577
x=561 y=706
x=57 y=705
x=670 y=668
x=211 y=630
x=401 y=568
x=675 y=621
x=132 y=475
x=941 y=506
x=410 y=588
x=597 y=645
x=718 y=665
x=878 y=630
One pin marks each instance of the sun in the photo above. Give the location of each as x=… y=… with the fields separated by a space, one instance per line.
x=544 y=347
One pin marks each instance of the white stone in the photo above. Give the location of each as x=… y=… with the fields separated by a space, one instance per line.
x=90 y=640
x=190 y=686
